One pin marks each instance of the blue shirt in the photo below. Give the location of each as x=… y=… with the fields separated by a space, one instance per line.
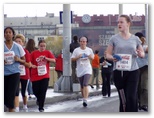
x=13 y=66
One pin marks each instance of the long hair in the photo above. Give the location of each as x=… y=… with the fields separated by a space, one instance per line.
x=30 y=46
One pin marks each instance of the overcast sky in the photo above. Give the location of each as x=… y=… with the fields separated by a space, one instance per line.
x=31 y=10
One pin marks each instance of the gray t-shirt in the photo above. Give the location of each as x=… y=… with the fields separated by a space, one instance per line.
x=143 y=61
x=123 y=46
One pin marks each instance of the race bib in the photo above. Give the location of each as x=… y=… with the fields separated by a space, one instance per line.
x=22 y=70
x=42 y=70
x=125 y=63
x=84 y=61
x=9 y=57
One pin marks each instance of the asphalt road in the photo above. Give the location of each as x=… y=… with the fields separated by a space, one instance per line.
x=95 y=104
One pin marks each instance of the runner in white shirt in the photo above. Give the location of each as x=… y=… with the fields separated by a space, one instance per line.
x=82 y=55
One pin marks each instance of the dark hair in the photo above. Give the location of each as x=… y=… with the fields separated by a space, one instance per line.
x=96 y=51
x=128 y=19
x=139 y=34
x=85 y=37
x=75 y=38
x=41 y=41
x=30 y=46
x=11 y=30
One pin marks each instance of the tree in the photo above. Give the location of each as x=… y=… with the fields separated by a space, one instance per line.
x=54 y=43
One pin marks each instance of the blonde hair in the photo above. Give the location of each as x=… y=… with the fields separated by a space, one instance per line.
x=143 y=40
x=21 y=36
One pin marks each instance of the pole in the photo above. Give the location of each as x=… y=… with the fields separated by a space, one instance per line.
x=146 y=22
x=64 y=83
x=120 y=9
x=66 y=40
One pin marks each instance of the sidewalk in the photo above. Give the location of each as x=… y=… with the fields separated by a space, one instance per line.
x=54 y=97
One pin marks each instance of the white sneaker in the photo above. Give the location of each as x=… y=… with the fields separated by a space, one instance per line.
x=16 y=110
x=31 y=96
x=25 y=108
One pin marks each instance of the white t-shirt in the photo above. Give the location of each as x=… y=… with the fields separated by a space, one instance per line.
x=83 y=64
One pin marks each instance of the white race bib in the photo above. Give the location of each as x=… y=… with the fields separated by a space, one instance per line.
x=22 y=70
x=125 y=63
x=84 y=61
x=9 y=57
x=42 y=70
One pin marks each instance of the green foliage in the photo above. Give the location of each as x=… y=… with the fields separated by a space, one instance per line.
x=54 y=43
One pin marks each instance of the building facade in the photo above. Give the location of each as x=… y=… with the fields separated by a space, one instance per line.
x=98 y=29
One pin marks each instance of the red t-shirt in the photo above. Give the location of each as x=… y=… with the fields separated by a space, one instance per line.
x=59 y=63
x=25 y=70
x=42 y=70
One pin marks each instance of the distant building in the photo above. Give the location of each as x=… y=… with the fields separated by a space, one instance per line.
x=109 y=20
x=98 y=29
x=33 y=26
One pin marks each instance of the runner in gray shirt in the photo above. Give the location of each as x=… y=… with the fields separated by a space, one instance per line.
x=143 y=79
x=127 y=47
x=126 y=74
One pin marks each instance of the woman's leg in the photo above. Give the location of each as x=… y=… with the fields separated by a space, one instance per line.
x=29 y=88
x=131 y=91
x=24 y=84
x=42 y=94
x=11 y=83
x=104 y=82
x=108 y=76
x=97 y=74
x=119 y=83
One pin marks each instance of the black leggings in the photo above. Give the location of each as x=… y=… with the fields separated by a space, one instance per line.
x=39 y=88
x=127 y=81
x=106 y=88
x=23 y=87
x=10 y=87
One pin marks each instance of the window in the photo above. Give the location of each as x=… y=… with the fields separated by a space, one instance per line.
x=40 y=38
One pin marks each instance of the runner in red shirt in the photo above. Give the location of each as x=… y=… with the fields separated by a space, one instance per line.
x=24 y=75
x=59 y=66
x=40 y=60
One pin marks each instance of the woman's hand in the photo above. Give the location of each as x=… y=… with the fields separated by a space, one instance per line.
x=33 y=66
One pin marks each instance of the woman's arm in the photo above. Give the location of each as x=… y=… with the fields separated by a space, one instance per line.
x=140 y=51
x=76 y=58
x=20 y=60
x=27 y=64
x=50 y=59
x=109 y=52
